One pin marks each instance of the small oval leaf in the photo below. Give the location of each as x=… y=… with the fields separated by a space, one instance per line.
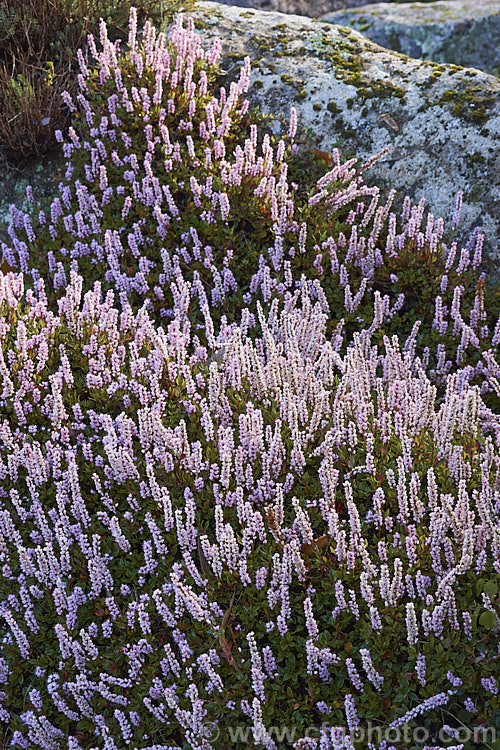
x=488 y=620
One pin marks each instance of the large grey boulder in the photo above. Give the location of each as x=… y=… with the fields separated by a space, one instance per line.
x=310 y=8
x=464 y=32
x=441 y=121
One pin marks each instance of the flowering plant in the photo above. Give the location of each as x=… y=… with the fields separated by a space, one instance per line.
x=247 y=471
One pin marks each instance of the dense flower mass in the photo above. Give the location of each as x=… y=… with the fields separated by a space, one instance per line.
x=249 y=454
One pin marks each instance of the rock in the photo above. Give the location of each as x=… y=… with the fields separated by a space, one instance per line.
x=442 y=122
x=310 y=8
x=464 y=32
x=43 y=174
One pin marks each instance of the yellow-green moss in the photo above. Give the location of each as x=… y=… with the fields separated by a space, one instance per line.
x=345 y=56
x=302 y=94
x=437 y=70
x=381 y=90
x=199 y=23
x=472 y=104
x=362 y=24
x=285 y=78
x=454 y=69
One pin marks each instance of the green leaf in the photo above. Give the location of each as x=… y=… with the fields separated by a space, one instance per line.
x=488 y=620
x=490 y=588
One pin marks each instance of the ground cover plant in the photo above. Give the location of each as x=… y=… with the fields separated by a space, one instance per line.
x=249 y=442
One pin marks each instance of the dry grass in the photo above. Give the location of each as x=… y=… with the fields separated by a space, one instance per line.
x=38 y=39
x=31 y=108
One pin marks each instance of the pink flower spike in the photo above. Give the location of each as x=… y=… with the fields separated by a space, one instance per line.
x=293 y=123
x=132 y=41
